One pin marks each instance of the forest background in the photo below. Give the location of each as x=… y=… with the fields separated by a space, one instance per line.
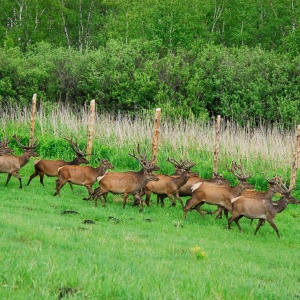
x=236 y=58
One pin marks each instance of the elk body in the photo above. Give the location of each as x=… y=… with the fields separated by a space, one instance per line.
x=126 y=183
x=81 y=175
x=50 y=167
x=262 y=209
x=205 y=192
x=12 y=164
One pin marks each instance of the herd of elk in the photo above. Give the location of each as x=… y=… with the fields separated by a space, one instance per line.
x=11 y=164
x=50 y=167
x=127 y=183
x=263 y=209
x=241 y=200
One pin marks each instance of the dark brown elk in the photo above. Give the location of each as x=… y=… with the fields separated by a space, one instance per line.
x=262 y=209
x=127 y=183
x=81 y=175
x=220 y=195
x=12 y=164
x=50 y=167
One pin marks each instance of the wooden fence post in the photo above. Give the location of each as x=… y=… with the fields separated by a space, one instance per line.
x=91 y=129
x=295 y=162
x=216 y=152
x=32 y=120
x=156 y=134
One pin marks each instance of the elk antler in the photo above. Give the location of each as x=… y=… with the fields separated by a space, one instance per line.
x=181 y=164
x=147 y=165
x=238 y=171
x=25 y=148
x=75 y=147
x=4 y=148
x=284 y=190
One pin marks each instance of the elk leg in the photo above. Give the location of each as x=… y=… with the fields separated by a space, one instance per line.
x=191 y=203
x=148 y=196
x=199 y=210
x=237 y=222
x=90 y=191
x=15 y=175
x=271 y=222
x=71 y=186
x=173 y=201
x=32 y=176
x=59 y=185
x=124 y=200
x=233 y=218
x=179 y=199
x=260 y=222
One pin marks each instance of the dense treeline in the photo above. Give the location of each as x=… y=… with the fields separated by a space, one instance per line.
x=85 y=24
x=240 y=60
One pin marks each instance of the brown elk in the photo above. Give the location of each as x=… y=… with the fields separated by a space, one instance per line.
x=168 y=186
x=262 y=209
x=186 y=188
x=50 y=167
x=81 y=175
x=220 y=195
x=11 y=164
x=127 y=183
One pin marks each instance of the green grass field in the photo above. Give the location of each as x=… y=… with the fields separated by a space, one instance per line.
x=153 y=254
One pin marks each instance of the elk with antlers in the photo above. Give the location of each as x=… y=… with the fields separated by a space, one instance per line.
x=127 y=183
x=81 y=175
x=262 y=209
x=220 y=195
x=11 y=164
x=168 y=186
x=50 y=167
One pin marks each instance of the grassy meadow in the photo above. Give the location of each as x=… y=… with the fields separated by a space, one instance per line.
x=154 y=254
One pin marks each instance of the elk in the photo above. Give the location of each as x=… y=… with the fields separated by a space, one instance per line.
x=50 y=167
x=262 y=209
x=11 y=164
x=186 y=188
x=168 y=186
x=127 y=183
x=220 y=195
x=81 y=175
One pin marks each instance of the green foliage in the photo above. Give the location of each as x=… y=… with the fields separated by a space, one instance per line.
x=195 y=61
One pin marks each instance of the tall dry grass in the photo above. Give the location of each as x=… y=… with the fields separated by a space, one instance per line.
x=265 y=148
